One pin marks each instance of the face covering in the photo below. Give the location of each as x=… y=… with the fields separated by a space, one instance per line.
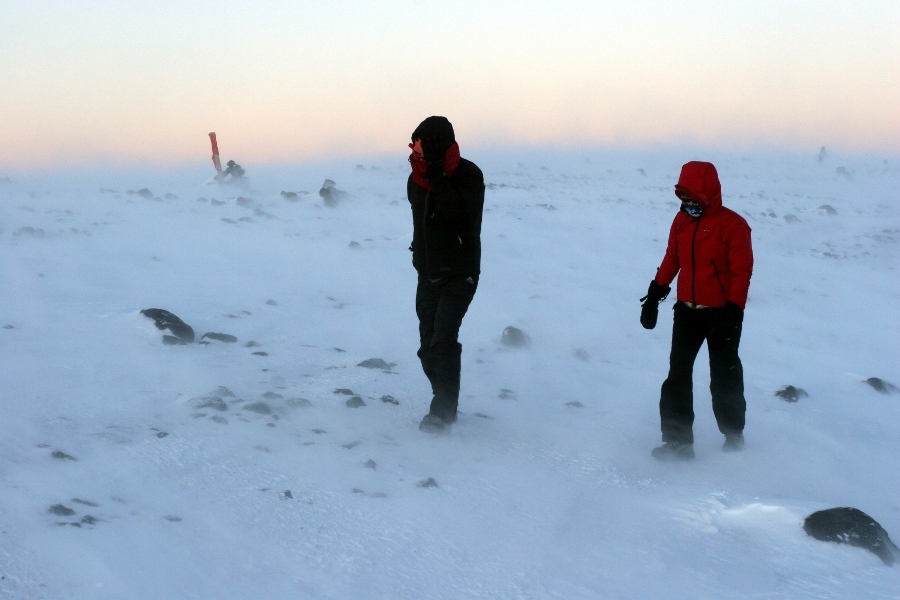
x=692 y=208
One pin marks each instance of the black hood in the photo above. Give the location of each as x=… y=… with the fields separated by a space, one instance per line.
x=438 y=127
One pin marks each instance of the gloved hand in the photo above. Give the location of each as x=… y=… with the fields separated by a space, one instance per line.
x=731 y=315
x=433 y=150
x=650 y=304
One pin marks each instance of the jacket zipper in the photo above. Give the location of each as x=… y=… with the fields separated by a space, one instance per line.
x=425 y=232
x=716 y=271
x=694 y=263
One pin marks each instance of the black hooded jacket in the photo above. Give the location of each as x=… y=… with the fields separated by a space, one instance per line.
x=447 y=220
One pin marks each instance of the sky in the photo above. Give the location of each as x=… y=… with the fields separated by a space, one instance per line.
x=125 y=82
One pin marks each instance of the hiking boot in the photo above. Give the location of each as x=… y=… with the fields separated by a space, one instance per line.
x=432 y=423
x=734 y=442
x=674 y=451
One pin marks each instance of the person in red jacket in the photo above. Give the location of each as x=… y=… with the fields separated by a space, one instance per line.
x=709 y=250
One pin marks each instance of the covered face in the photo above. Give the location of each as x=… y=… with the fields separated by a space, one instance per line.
x=699 y=182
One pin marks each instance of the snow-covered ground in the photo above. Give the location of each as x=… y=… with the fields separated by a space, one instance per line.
x=546 y=487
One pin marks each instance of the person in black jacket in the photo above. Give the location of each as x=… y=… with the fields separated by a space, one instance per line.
x=446 y=194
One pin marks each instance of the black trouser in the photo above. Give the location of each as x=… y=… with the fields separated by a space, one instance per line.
x=441 y=306
x=691 y=327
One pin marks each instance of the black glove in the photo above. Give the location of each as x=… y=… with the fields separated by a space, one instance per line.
x=731 y=315
x=433 y=150
x=650 y=304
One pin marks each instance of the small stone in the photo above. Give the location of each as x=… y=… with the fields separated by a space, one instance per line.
x=85 y=502
x=344 y=391
x=271 y=303
x=513 y=337
x=355 y=402
x=318 y=431
x=60 y=510
x=161 y=434
x=88 y=520
x=173 y=518
x=427 y=483
x=259 y=407
x=880 y=385
x=581 y=354
x=377 y=363
x=370 y=464
x=354 y=245
x=791 y=394
x=350 y=446
x=59 y=454
x=506 y=394
x=222 y=337
x=575 y=404
x=8 y=327
x=252 y=344
x=260 y=353
x=287 y=495
x=390 y=400
x=829 y=210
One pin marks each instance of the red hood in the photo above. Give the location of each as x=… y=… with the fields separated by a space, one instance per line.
x=700 y=181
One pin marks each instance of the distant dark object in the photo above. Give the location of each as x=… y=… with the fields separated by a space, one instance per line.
x=581 y=354
x=171 y=196
x=880 y=385
x=829 y=210
x=575 y=404
x=272 y=396
x=234 y=170
x=260 y=353
x=513 y=337
x=222 y=337
x=852 y=526
x=821 y=156
x=506 y=394
x=843 y=172
x=377 y=363
x=791 y=218
x=355 y=402
x=642 y=172
x=166 y=320
x=8 y=327
x=354 y=245
x=287 y=495
x=213 y=402
x=370 y=464
x=60 y=510
x=390 y=400
x=289 y=196
x=271 y=303
x=60 y=455
x=331 y=196
x=171 y=340
x=297 y=402
x=252 y=344
x=245 y=202
x=343 y=392
x=427 y=483
x=791 y=393
x=143 y=193
x=259 y=407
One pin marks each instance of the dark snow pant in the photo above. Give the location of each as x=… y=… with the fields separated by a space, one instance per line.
x=441 y=306
x=691 y=327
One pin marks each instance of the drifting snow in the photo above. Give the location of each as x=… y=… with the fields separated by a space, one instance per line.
x=134 y=469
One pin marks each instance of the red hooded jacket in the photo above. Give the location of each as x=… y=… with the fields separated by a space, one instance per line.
x=711 y=254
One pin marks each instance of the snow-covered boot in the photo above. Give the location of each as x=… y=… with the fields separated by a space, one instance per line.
x=674 y=451
x=734 y=442
x=432 y=423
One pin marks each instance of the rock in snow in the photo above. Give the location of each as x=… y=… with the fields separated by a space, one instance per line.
x=166 y=320
x=852 y=526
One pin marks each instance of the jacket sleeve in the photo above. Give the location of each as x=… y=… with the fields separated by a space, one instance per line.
x=669 y=267
x=457 y=196
x=740 y=260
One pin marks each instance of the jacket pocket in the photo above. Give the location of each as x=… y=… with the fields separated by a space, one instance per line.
x=716 y=272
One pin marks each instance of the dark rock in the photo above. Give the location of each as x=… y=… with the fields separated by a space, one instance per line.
x=355 y=402
x=331 y=196
x=60 y=510
x=513 y=337
x=252 y=344
x=260 y=353
x=847 y=525
x=344 y=391
x=791 y=393
x=427 y=483
x=377 y=363
x=8 y=327
x=271 y=303
x=581 y=354
x=484 y=416
x=213 y=402
x=161 y=434
x=506 y=394
x=88 y=520
x=829 y=210
x=350 y=446
x=287 y=495
x=272 y=396
x=354 y=245
x=171 y=340
x=880 y=385
x=575 y=404
x=259 y=407
x=222 y=337
x=318 y=431
x=390 y=400
x=143 y=193
x=173 y=518
x=229 y=221
x=791 y=218
x=370 y=464
x=166 y=320
x=297 y=402
x=292 y=196
x=85 y=502
x=59 y=454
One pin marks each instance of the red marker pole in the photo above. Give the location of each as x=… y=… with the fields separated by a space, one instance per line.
x=215 y=152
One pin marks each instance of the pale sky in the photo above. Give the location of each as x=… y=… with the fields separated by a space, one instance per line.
x=123 y=82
